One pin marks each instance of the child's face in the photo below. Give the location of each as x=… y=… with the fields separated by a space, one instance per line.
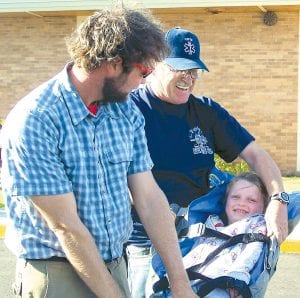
x=244 y=199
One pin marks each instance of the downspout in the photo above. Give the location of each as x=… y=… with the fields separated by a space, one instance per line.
x=262 y=8
x=34 y=14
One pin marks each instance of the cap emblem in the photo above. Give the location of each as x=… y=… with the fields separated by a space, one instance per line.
x=189 y=47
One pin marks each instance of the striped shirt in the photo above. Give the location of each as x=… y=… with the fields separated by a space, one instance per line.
x=52 y=145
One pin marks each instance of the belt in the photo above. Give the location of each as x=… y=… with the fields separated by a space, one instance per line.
x=52 y=259
x=115 y=260
x=63 y=259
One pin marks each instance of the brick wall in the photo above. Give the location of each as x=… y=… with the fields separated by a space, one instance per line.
x=32 y=49
x=253 y=67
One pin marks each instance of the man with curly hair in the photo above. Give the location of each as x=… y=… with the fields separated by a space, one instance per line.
x=71 y=149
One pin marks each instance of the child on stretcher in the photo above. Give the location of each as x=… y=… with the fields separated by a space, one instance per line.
x=245 y=202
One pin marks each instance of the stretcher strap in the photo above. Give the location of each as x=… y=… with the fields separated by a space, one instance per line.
x=208 y=284
x=199 y=230
x=226 y=282
x=240 y=238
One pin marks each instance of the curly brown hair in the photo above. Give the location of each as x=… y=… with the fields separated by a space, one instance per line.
x=130 y=34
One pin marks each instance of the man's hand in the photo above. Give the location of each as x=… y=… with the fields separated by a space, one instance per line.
x=153 y=209
x=277 y=220
x=183 y=291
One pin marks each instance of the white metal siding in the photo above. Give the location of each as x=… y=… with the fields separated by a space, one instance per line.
x=67 y=5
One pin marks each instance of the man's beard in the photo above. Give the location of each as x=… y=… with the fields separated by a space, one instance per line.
x=111 y=90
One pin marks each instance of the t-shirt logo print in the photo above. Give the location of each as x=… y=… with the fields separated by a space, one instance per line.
x=200 y=145
x=189 y=47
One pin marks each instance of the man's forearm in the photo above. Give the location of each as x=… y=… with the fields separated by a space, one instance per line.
x=60 y=213
x=83 y=255
x=153 y=209
x=263 y=164
x=270 y=174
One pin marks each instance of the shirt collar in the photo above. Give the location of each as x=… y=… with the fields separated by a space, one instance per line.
x=77 y=109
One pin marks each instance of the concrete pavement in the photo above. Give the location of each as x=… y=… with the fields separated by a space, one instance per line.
x=7 y=271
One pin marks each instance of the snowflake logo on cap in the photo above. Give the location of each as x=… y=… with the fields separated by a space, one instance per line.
x=189 y=46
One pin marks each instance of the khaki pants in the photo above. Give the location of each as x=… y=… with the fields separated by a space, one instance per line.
x=58 y=279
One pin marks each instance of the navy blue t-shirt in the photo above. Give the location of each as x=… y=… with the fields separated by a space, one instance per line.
x=182 y=140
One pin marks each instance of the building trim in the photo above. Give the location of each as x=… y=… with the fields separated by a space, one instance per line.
x=7 y=6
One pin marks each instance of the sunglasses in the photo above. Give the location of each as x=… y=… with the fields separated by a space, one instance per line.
x=192 y=73
x=145 y=71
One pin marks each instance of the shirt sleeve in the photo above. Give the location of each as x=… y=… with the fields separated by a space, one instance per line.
x=230 y=136
x=141 y=161
x=33 y=157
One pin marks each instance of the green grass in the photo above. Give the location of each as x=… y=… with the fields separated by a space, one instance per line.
x=235 y=167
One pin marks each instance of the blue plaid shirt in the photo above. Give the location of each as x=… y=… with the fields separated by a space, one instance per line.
x=53 y=145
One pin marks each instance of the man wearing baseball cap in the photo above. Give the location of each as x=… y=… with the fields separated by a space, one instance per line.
x=184 y=132
x=184 y=50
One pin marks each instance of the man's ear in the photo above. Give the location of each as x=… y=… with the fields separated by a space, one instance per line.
x=117 y=64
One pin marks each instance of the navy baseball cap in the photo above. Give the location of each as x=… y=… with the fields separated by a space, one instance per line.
x=184 y=50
